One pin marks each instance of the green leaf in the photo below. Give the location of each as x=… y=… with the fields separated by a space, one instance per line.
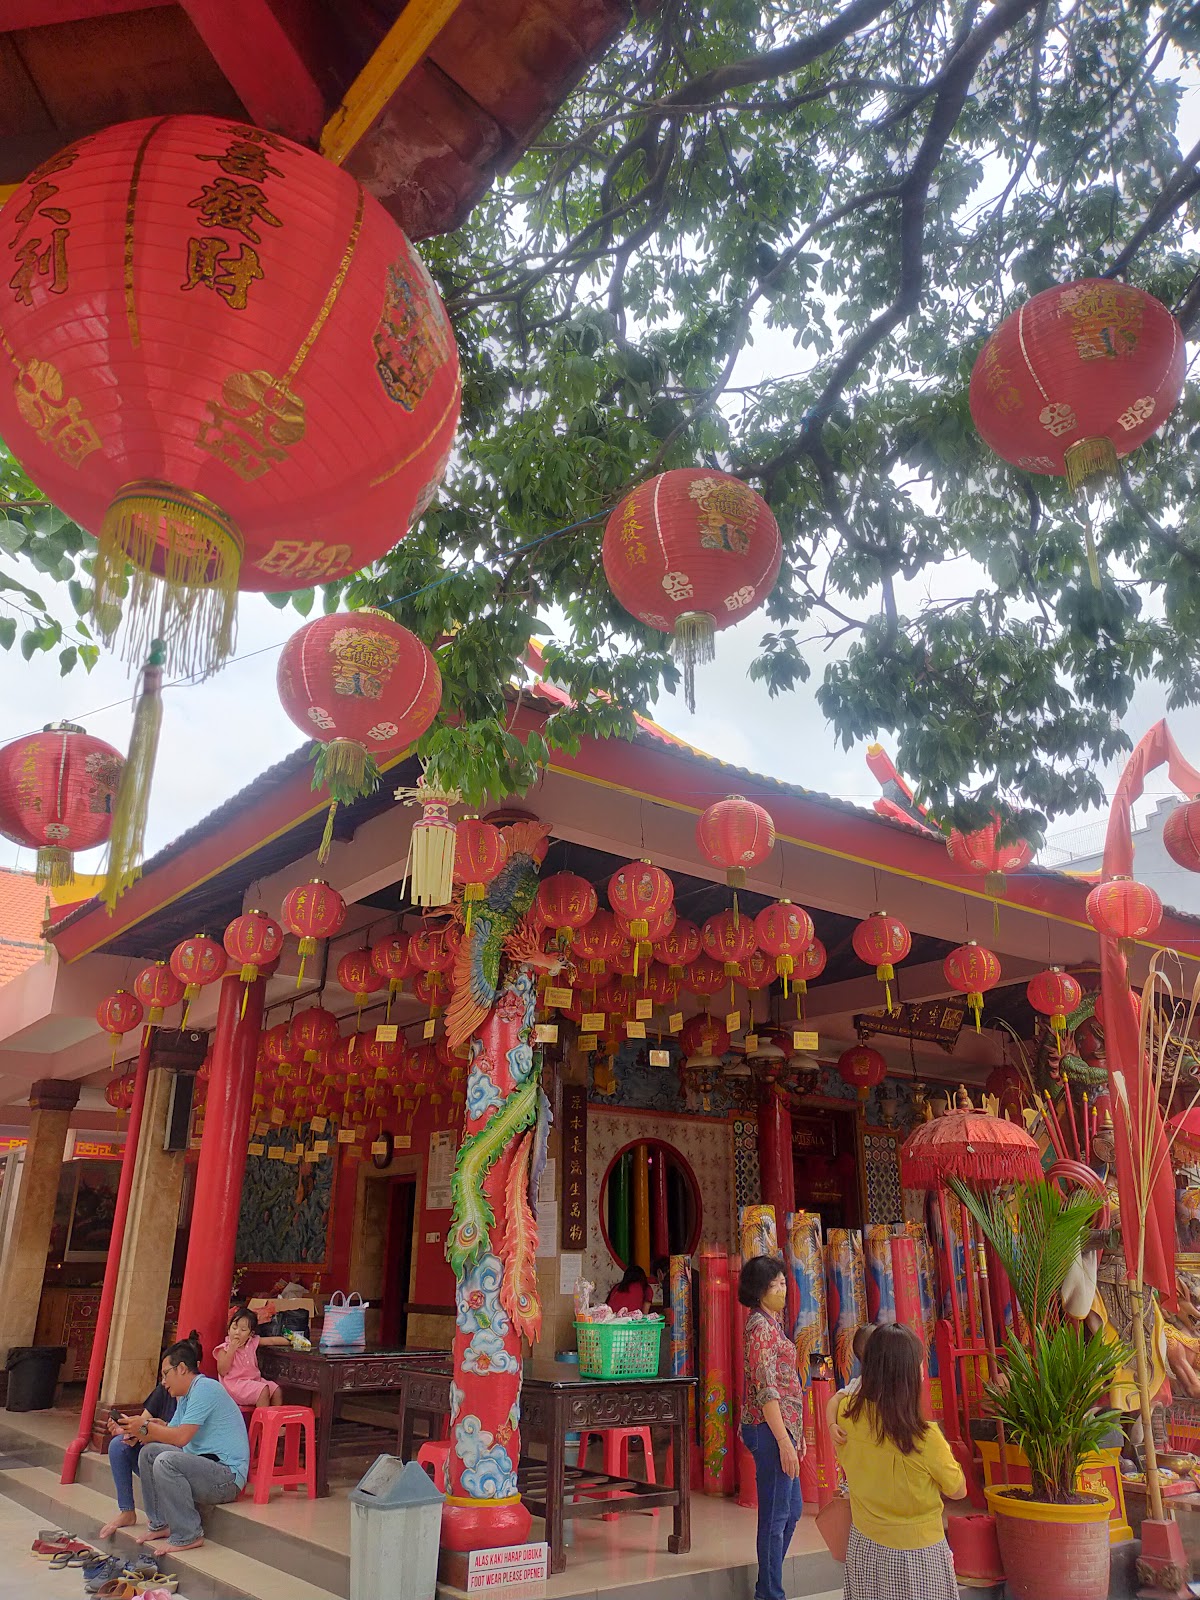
x=8 y=633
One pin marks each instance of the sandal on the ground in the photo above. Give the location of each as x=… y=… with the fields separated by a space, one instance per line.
x=83 y=1557
x=100 y=1572
x=117 y=1589
x=61 y=1545
x=140 y=1567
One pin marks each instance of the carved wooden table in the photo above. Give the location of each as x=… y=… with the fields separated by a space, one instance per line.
x=556 y=1401
x=376 y=1369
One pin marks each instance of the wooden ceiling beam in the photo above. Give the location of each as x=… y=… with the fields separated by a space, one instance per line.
x=19 y=14
x=263 y=64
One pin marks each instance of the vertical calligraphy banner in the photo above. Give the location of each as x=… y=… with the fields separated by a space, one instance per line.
x=574 y=1221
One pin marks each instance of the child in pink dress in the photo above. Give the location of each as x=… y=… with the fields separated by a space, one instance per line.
x=237 y=1363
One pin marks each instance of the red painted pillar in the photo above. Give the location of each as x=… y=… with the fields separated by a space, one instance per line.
x=777 y=1175
x=208 y=1274
x=660 y=1242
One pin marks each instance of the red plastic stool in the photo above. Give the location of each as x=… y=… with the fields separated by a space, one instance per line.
x=434 y=1456
x=615 y=1443
x=293 y=1423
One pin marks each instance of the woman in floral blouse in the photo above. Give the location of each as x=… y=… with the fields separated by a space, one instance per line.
x=772 y=1418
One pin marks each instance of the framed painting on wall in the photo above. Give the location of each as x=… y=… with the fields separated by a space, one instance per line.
x=93 y=1201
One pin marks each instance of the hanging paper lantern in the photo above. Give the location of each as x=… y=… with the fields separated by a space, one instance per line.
x=253 y=940
x=810 y=964
x=972 y=970
x=979 y=852
x=276 y=1044
x=660 y=986
x=313 y=1031
x=703 y=1036
x=431 y=843
x=357 y=976
x=597 y=942
x=705 y=976
x=565 y=902
x=690 y=552
x=432 y=989
x=480 y=850
x=434 y=949
x=640 y=895
x=881 y=942
x=365 y=688
x=391 y=960
x=57 y=789
x=197 y=962
x=735 y=834
x=157 y=988
x=119 y=1014
x=312 y=911
x=1125 y=910
x=679 y=947
x=423 y=1068
x=344 y=1056
x=784 y=931
x=756 y=972
x=728 y=940
x=228 y=365
x=1181 y=836
x=1055 y=994
x=862 y=1068
x=119 y=1092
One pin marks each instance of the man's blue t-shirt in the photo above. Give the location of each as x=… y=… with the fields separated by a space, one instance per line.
x=220 y=1430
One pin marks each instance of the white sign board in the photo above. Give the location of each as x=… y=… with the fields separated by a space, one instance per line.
x=442 y=1151
x=502 y=1569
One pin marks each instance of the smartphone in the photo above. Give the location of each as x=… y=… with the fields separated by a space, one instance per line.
x=114 y=1415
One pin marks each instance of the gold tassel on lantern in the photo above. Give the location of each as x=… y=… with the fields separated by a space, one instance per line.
x=126 y=844
x=193 y=600
x=431 y=846
x=693 y=643
x=54 y=866
x=344 y=767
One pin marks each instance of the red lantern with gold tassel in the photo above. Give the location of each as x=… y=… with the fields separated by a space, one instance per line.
x=566 y=903
x=690 y=552
x=678 y=947
x=735 y=834
x=810 y=964
x=705 y=977
x=862 y=1068
x=119 y=1093
x=254 y=941
x=756 y=972
x=276 y=1044
x=357 y=975
x=197 y=962
x=311 y=912
x=1181 y=836
x=432 y=989
x=882 y=942
x=728 y=940
x=480 y=850
x=391 y=960
x=434 y=949
x=596 y=944
x=57 y=790
x=364 y=687
x=119 y=1014
x=642 y=897
x=158 y=989
x=314 y=1031
x=1055 y=994
x=784 y=931
x=972 y=970
x=1125 y=910
x=981 y=853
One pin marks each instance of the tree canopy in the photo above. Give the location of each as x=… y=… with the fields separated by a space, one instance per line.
x=773 y=238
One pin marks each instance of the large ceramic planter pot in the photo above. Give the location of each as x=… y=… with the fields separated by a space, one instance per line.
x=1052 y=1552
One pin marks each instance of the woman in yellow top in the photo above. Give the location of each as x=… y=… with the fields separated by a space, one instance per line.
x=898 y=1467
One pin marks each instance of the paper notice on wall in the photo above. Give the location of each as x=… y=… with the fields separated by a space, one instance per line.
x=442 y=1151
x=546 y=1183
x=547 y=1221
x=570 y=1270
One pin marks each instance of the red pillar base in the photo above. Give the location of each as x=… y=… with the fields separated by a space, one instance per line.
x=976 y=1550
x=484 y=1524
x=1163 y=1567
x=747 y=1494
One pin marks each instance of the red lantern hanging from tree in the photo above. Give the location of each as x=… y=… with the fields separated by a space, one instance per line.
x=1181 y=836
x=972 y=970
x=1125 y=910
x=691 y=552
x=480 y=850
x=785 y=931
x=881 y=942
x=158 y=989
x=565 y=902
x=391 y=960
x=365 y=688
x=735 y=834
x=118 y=1014
x=197 y=962
x=810 y=964
x=678 y=947
x=311 y=912
x=1055 y=994
x=253 y=940
x=313 y=1031
x=57 y=790
x=862 y=1068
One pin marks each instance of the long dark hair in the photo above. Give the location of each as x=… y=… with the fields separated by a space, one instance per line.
x=891 y=1386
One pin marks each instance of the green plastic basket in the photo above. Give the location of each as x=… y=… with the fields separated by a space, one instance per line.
x=618 y=1349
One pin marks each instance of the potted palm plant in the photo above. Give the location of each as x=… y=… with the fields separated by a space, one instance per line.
x=1049 y=1398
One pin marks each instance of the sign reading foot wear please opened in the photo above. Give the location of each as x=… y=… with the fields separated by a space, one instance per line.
x=499 y=1570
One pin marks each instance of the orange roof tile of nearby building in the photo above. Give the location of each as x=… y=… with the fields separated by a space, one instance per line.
x=22 y=906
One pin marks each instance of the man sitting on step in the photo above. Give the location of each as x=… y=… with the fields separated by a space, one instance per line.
x=199 y=1458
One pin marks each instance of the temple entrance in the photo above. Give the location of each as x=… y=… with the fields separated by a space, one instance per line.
x=402 y=1202
x=824 y=1151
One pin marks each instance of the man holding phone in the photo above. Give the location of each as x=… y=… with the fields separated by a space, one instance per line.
x=123 y=1454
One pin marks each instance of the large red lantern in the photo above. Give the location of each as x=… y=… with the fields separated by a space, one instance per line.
x=364 y=687
x=119 y=1014
x=565 y=902
x=313 y=1031
x=881 y=942
x=980 y=852
x=972 y=970
x=862 y=1068
x=197 y=962
x=1123 y=909
x=56 y=795
x=1078 y=377
x=785 y=931
x=1181 y=836
x=1055 y=994
x=254 y=940
x=640 y=894
x=312 y=911
x=157 y=987
x=690 y=552
x=678 y=947
x=480 y=850
x=736 y=835
x=227 y=364
x=357 y=974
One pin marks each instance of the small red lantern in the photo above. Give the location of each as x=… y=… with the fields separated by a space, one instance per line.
x=313 y=1031
x=972 y=970
x=365 y=688
x=312 y=911
x=277 y=1045
x=728 y=940
x=118 y=1014
x=423 y=1068
x=254 y=940
x=157 y=988
x=810 y=964
x=432 y=989
x=382 y=1055
x=705 y=977
x=756 y=972
x=862 y=1068
x=119 y=1092
x=784 y=931
x=480 y=850
x=1125 y=910
x=197 y=961
x=660 y=986
x=357 y=975
x=735 y=834
x=57 y=789
x=1181 y=836
x=980 y=853
x=881 y=941
x=703 y=1036
x=1054 y=993
x=565 y=902
x=690 y=552
x=678 y=947
x=597 y=943
x=434 y=949
x=391 y=960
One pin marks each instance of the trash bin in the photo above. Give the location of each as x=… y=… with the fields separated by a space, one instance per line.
x=33 y=1376
x=395 y=1532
